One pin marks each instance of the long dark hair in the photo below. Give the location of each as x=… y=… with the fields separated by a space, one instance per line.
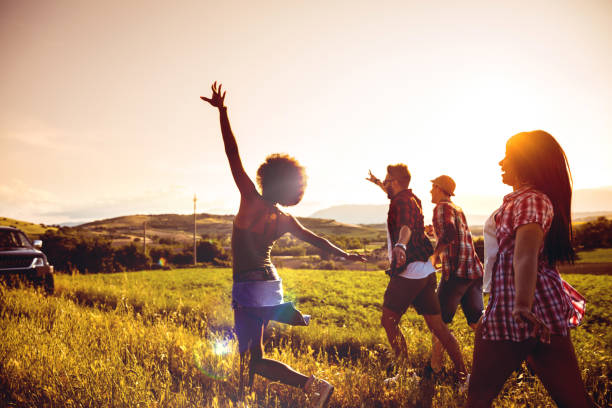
x=541 y=161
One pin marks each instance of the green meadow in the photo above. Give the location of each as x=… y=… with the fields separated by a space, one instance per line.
x=163 y=339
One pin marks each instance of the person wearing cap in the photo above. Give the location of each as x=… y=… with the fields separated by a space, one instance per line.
x=462 y=271
x=413 y=278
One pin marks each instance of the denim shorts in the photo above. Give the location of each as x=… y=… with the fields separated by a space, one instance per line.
x=456 y=290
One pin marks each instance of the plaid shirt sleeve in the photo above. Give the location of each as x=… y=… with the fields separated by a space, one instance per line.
x=406 y=210
x=532 y=208
x=408 y=213
x=444 y=224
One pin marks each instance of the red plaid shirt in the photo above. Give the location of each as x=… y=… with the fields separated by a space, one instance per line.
x=405 y=209
x=554 y=303
x=459 y=258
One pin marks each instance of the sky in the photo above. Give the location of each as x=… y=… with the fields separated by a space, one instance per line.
x=101 y=115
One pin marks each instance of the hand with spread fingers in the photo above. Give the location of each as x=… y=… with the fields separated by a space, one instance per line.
x=373 y=179
x=217 y=97
x=522 y=315
x=356 y=257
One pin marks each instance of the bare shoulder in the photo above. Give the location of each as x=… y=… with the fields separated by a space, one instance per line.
x=286 y=221
x=251 y=206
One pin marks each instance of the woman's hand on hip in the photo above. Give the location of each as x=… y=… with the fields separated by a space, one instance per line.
x=522 y=315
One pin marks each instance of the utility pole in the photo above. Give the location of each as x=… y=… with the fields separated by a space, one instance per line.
x=195 y=256
x=144 y=237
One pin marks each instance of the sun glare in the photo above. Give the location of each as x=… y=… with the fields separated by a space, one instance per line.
x=222 y=347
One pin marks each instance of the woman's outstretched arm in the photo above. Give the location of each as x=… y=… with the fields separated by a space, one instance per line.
x=243 y=181
x=299 y=231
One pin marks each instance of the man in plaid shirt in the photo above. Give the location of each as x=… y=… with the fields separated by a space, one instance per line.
x=461 y=269
x=413 y=278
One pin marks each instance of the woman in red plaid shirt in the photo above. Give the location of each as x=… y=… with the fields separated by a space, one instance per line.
x=531 y=308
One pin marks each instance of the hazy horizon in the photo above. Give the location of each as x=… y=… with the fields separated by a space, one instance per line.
x=476 y=207
x=102 y=116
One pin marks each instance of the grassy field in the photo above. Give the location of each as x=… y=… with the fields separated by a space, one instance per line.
x=599 y=255
x=163 y=339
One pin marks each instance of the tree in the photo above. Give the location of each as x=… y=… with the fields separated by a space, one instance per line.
x=131 y=258
x=209 y=251
x=594 y=234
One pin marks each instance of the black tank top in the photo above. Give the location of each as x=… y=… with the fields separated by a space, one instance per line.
x=250 y=249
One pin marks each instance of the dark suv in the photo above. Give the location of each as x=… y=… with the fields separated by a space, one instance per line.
x=22 y=261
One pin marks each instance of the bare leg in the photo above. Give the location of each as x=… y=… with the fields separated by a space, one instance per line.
x=449 y=342
x=437 y=351
x=437 y=354
x=250 y=337
x=390 y=322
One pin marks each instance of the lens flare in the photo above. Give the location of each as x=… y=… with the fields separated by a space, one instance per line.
x=162 y=262
x=215 y=358
x=221 y=347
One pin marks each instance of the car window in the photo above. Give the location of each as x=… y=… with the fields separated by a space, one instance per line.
x=13 y=239
x=23 y=240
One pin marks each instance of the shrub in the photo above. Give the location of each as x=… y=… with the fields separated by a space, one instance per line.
x=594 y=234
x=209 y=250
x=327 y=265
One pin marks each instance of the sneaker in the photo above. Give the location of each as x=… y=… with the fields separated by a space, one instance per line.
x=464 y=384
x=319 y=390
x=392 y=381
x=407 y=376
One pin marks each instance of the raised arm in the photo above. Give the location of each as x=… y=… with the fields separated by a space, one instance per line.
x=242 y=180
x=373 y=179
x=303 y=233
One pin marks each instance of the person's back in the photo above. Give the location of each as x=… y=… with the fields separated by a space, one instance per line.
x=460 y=256
x=253 y=234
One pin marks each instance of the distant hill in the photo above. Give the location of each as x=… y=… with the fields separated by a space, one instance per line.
x=587 y=205
x=180 y=227
x=592 y=200
x=33 y=231
x=355 y=213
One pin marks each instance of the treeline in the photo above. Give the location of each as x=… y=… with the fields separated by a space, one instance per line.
x=288 y=245
x=593 y=234
x=587 y=236
x=70 y=251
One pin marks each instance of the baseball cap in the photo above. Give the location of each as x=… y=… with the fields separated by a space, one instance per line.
x=446 y=183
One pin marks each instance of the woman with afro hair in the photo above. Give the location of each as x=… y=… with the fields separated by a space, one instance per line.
x=257 y=295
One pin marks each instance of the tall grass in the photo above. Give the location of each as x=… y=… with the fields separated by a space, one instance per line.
x=163 y=338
